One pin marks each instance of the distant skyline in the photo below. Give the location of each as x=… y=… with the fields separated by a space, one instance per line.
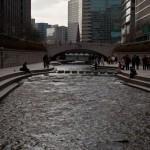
x=50 y=11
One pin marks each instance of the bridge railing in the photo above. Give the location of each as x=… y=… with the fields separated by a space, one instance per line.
x=81 y=44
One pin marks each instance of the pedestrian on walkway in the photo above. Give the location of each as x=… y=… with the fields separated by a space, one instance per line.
x=134 y=61
x=46 y=61
x=137 y=62
x=95 y=64
x=127 y=62
x=102 y=61
x=148 y=63
x=144 y=61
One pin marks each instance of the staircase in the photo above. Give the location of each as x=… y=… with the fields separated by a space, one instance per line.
x=11 y=81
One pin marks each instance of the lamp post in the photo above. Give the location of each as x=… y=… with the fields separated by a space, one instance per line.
x=2 y=56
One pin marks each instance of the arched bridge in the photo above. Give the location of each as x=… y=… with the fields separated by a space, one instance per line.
x=104 y=49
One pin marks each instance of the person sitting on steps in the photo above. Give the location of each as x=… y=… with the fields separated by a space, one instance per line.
x=24 y=68
x=133 y=72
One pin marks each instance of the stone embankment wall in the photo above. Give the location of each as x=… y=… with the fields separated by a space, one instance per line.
x=10 y=58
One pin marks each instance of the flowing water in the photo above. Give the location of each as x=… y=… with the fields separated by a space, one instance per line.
x=75 y=112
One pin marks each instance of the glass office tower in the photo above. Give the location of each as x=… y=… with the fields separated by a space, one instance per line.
x=73 y=20
x=142 y=20
x=105 y=20
x=97 y=20
x=15 y=17
x=128 y=21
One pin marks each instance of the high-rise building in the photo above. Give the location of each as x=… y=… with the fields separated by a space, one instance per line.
x=128 y=21
x=15 y=17
x=142 y=20
x=73 y=20
x=42 y=30
x=33 y=23
x=96 y=20
x=56 y=34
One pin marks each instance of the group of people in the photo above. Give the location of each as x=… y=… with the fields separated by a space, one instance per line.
x=135 y=62
x=112 y=60
x=99 y=61
x=146 y=62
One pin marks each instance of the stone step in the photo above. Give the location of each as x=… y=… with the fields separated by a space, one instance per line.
x=4 y=77
x=9 y=81
x=7 y=76
x=135 y=81
x=138 y=87
x=5 y=80
x=6 y=91
x=136 y=77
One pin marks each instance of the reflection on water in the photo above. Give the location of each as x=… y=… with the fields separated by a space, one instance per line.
x=68 y=112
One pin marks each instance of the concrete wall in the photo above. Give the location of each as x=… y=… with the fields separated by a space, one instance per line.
x=10 y=58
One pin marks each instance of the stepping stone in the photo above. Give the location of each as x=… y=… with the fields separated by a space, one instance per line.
x=102 y=72
x=88 y=72
x=110 y=72
x=60 y=71
x=81 y=72
x=74 y=72
x=67 y=72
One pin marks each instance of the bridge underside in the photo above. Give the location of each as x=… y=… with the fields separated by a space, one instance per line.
x=103 y=49
x=82 y=51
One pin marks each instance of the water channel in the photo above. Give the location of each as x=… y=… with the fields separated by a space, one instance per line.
x=75 y=112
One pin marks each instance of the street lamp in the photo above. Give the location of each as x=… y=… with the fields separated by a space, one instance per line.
x=2 y=56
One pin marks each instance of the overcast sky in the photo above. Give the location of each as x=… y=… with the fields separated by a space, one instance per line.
x=50 y=11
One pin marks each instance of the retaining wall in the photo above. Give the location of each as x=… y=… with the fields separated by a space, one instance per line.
x=10 y=58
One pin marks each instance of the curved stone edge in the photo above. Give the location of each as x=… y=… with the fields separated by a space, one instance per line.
x=138 y=83
x=15 y=83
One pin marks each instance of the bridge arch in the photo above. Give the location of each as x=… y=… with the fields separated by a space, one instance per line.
x=79 y=51
x=104 y=49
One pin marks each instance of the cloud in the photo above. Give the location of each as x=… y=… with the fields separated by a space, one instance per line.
x=50 y=11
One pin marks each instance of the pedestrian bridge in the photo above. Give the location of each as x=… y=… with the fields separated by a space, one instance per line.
x=104 y=49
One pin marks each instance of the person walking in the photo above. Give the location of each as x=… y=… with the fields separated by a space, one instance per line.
x=148 y=63
x=134 y=61
x=127 y=62
x=137 y=62
x=144 y=61
x=46 y=61
x=102 y=61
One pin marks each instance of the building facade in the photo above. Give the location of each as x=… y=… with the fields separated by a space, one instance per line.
x=142 y=20
x=128 y=21
x=97 y=21
x=42 y=30
x=57 y=34
x=15 y=17
x=73 y=20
